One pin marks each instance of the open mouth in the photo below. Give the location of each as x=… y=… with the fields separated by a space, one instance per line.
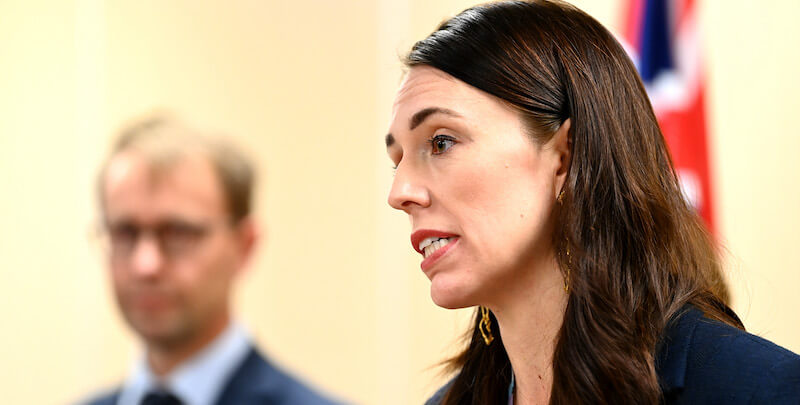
x=430 y=245
x=433 y=245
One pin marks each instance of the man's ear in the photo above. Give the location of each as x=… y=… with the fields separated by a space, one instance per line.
x=561 y=144
x=247 y=235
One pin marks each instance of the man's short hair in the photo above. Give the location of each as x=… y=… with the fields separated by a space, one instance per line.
x=163 y=140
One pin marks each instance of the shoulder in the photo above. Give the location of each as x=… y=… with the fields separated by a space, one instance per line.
x=105 y=398
x=745 y=362
x=707 y=360
x=259 y=381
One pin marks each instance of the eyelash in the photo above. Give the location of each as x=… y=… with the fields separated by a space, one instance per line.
x=431 y=141
x=436 y=138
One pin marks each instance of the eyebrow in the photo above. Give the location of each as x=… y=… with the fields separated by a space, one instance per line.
x=419 y=117
x=423 y=114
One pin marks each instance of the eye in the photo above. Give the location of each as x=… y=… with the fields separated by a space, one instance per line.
x=441 y=143
x=122 y=238
x=178 y=236
x=123 y=234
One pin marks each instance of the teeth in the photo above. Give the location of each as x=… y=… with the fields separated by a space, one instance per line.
x=431 y=245
x=426 y=242
x=429 y=241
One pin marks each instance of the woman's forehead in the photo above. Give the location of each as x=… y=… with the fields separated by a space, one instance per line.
x=427 y=87
x=425 y=83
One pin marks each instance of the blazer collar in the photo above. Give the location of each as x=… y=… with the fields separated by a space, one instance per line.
x=672 y=351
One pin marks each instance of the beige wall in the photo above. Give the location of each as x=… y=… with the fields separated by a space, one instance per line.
x=335 y=292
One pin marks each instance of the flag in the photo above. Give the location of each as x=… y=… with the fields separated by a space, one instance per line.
x=663 y=39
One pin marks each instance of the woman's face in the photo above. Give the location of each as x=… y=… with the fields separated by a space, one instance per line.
x=479 y=191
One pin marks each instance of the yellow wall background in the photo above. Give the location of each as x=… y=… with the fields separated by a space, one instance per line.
x=335 y=293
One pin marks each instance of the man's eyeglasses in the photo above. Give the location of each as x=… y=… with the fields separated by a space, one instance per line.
x=174 y=238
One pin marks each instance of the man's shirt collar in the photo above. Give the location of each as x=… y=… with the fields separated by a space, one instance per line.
x=199 y=380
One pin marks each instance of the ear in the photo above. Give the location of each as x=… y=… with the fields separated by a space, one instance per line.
x=561 y=144
x=247 y=237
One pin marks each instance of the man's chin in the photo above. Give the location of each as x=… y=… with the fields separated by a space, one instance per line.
x=160 y=332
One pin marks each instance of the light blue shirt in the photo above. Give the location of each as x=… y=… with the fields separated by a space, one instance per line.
x=199 y=380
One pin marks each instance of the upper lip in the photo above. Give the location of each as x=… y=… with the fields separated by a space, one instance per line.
x=421 y=234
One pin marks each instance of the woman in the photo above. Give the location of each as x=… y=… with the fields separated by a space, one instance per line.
x=540 y=189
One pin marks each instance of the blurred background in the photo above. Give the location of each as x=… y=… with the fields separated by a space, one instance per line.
x=335 y=293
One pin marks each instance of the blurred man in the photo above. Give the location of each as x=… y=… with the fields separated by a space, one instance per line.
x=176 y=210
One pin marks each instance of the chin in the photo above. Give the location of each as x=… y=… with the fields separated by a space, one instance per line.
x=450 y=294
x=160 y=329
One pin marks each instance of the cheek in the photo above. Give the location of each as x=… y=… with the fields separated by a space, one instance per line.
x=120 y=279
x=208 y=277
x=505 y=208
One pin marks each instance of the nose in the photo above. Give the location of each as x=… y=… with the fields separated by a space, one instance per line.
x=407 y=191
x=147 y=260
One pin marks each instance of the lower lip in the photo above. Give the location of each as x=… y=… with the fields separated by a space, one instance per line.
x=434 y=258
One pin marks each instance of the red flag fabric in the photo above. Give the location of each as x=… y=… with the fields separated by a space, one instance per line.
x=663 y=39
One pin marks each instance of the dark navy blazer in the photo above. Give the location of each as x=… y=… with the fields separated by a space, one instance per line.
x=256 y=382
x=702 y=361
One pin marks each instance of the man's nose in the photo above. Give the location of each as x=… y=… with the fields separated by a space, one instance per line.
x=147 y=259
x=408 y=191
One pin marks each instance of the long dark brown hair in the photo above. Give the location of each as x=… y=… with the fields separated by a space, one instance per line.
x=638 y=251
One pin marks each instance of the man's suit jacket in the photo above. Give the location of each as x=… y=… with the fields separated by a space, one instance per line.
x=256 y=382
x=702 y=361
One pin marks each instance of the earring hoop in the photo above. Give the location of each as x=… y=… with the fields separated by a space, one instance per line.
x=560 y=197
x=486 y=326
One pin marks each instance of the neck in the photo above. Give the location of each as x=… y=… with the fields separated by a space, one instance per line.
x=164 y=358
x=530 y=315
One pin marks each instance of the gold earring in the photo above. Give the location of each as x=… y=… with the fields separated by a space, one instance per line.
x=560 y=197
x=486 y=326
x=566 y=277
